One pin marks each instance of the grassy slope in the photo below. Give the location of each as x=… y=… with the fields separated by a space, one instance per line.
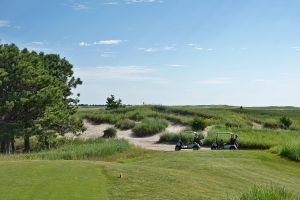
x=51 y=180
x=173 y=175
x=201 y=175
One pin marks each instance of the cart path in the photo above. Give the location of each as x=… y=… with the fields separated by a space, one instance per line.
x=150 y=143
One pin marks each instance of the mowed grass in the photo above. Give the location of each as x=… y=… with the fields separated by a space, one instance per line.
x=65 y=180
x=200 y=175
x=172 y=175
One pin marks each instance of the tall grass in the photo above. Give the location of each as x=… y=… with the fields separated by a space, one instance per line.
x=268 y=193
x=149 y=127
x=79 y=149
x=125 y=124
x=173 y=138
x=291 y=151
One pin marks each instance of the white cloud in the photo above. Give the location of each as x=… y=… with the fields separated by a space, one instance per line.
x=39 y=42
x=130 y=73
x=142 y=1
x=84 y=44
x=191 y=44
x=4 y=23
x=174 y=65
x=199 y=48
x=111 y=3
x=101 y=42
x=156 y=49
x=210 y=49
x=79 y=6
x=108 y=42
x=216 y=81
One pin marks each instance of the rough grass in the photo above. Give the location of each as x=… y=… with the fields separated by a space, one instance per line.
x=125 y=124
x=291 y=151
x=149 y=127
x=268 y=193
x=172 y=138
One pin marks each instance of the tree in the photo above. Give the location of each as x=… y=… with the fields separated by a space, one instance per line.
x=36 y=93
x=286 y=122
x=198 y=124
x=112 y=103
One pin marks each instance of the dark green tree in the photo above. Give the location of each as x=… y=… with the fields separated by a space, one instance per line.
x=286 y=122
x=36 y=92
x=112 y=103
x=198 y=124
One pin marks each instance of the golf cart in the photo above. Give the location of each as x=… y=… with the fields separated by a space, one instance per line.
x=195 y=145
x=219 y=144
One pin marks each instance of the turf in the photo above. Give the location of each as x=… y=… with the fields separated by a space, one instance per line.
x=51 y=180
x=172 y=175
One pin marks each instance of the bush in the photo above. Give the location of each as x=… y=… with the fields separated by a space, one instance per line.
x=267 y=193
x=125 y=124
x=149 y=127
x=285 y=122
x=271 y=125
x=172 y=138
x=198 y=124
x=84 y=149
x=110 y=133
x=291 y=151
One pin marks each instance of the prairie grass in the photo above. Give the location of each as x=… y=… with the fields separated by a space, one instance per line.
x=149 y=127
x=125 y=124
x=172 y=138
x=268 y=193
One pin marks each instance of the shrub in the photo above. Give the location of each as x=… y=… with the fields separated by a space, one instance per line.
x=291 y=151
x=271 y=125
x=198 y=124
x=125 y=124
x=267 y=193
x=286 y=122
x=110 y=133
x=172 y=138
x=149 y=127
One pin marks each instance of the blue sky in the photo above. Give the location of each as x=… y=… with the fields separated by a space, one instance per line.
x=175 y=52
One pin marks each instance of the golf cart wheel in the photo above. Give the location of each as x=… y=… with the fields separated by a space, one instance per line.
x=177 y=148
x=195 y=148
x=213 y=148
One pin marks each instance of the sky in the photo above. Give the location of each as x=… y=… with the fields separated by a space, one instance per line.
x=171 y=52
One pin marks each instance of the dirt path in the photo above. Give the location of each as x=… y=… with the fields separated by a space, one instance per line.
x=96 y=130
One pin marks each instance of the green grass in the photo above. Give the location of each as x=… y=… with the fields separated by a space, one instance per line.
x=267 y=193
x=173 y=138
x=125 y=124
x=149 y=127
x=96 y=149
x=174 y=175
x=65 y=180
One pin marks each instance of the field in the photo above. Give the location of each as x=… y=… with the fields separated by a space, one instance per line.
x=116 y=169
x=171 y=175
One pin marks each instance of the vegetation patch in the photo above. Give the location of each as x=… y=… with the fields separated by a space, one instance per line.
x=173 y=138
x=110 y=133
x=125 y=124
x=149 y=127
x=268 y=193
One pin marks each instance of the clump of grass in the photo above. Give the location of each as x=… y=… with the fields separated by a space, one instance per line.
x=198 y=124
x=110 y=133
x=88 y=149
x=267 y=193
x=291 y=151
x=125 y=124
x=149 y=127
x=172 y=138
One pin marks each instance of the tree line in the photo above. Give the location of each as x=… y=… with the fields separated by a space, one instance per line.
x=36 y=97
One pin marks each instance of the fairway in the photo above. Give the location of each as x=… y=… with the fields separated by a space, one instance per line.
x=51 y=180
x=171 y=175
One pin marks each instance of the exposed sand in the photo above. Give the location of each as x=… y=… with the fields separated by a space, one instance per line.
x=96 y=130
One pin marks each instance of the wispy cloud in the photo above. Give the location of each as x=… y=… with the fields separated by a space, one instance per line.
x=157 y=49
x=296 y=48
x=111 y=3
x=39 y=43
x=79 y=7
x=131 y=72
x=101 y=42
x=142 y=1
x=216 y=81
x=4 y=23
x=174 y=65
